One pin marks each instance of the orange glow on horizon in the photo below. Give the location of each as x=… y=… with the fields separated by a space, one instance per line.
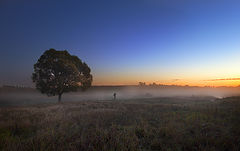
x=173 y=77
x=200 y=83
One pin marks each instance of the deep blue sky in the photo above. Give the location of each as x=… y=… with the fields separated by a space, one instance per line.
x=125 y=41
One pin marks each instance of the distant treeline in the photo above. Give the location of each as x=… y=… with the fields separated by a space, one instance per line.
x=9 y=88
x=141 y=85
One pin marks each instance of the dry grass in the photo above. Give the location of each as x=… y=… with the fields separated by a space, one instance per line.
x=133 y=125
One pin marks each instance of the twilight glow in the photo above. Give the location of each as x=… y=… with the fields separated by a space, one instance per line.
x=187 y=42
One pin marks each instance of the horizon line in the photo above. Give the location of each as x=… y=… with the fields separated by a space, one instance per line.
x=129 y=85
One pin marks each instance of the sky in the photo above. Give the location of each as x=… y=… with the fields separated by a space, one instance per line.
x=182 y=42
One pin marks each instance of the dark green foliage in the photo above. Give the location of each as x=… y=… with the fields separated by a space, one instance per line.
x=57 y=72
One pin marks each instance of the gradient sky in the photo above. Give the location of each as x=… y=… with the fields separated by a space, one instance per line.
x=186 y=42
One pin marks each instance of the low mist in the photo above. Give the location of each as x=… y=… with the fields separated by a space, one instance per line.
x=29 y=96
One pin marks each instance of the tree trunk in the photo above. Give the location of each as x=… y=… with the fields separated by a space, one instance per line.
x=59 y=98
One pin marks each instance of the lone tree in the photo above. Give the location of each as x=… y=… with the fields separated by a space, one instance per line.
x=57 y=72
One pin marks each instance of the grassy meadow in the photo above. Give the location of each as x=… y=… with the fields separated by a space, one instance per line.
x=166 y=124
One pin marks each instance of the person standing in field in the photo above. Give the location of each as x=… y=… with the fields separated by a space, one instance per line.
x=114 y=96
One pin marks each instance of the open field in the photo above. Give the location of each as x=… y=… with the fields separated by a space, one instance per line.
x=166 y=123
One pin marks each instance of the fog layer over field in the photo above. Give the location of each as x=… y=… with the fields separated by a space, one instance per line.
x=25 y=96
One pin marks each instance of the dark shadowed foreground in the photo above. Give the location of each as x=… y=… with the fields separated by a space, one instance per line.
x=140 y=124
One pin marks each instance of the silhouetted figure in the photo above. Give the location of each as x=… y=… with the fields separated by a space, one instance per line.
x=114 y=96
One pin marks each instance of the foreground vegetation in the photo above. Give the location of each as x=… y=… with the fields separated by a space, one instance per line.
x=143 y=124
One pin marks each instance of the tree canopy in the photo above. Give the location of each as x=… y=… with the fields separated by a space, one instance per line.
x=57 y=72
